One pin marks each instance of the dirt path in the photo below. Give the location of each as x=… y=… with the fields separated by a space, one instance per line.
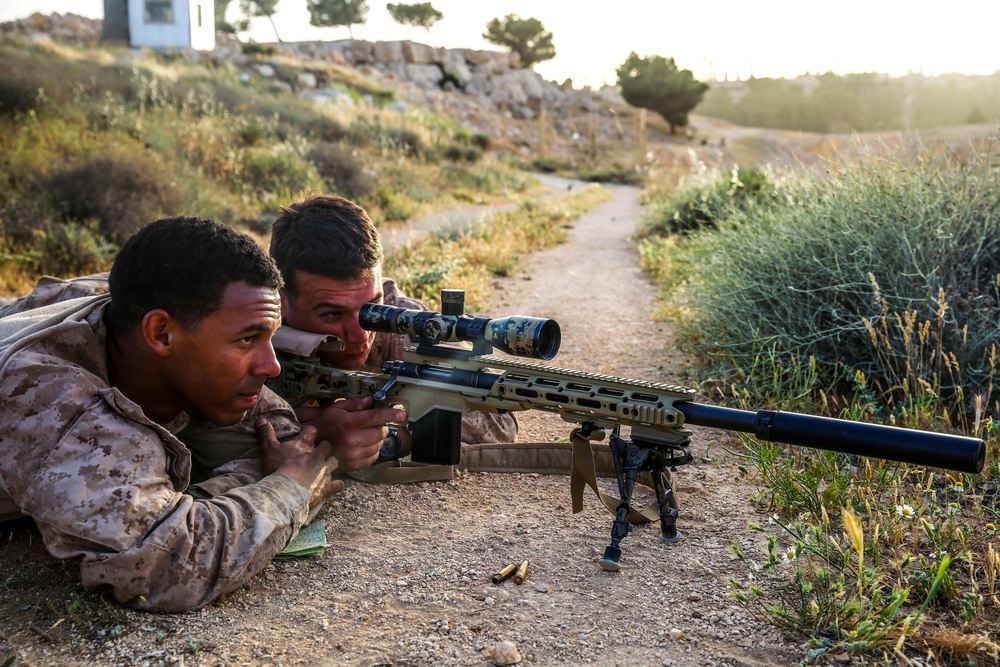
x=396 y=235
x=407 y=579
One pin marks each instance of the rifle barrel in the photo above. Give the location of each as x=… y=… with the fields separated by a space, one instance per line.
x=924 y=448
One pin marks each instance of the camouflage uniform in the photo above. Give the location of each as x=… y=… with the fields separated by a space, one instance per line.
x=477 y=427
x=106 y=485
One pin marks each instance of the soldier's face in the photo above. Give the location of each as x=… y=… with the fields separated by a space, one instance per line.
x=328 y=306
x=220 y=366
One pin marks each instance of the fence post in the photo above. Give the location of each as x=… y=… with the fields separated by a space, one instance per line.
x=640 y=139
x=543 y=144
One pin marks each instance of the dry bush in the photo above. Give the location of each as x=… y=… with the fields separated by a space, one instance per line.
x=338 y=166
x=122 y=192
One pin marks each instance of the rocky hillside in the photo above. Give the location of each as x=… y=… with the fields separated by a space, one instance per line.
x=527 y=116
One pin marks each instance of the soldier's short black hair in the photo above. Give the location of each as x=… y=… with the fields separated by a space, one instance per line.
x=183 y=265
x=325 y=235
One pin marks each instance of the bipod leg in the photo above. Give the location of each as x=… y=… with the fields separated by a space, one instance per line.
x=628 y=458
x=666 y=501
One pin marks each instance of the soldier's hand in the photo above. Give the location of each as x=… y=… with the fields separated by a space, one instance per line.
x=355 y=428
x=301 y=458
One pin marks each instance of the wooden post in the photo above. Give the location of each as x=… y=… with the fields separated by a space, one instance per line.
x=592 y=130
x=640 y=139
x=543 y=144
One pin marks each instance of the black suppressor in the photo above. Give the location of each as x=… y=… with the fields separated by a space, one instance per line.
x=518 y=335
x=924 y=448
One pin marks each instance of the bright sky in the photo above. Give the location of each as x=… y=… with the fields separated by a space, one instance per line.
x=724 y=38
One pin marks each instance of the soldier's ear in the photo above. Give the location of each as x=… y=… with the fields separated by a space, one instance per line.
x=158 y=331
x=284 y=303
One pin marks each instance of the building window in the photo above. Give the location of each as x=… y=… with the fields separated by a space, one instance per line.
x=159 y=11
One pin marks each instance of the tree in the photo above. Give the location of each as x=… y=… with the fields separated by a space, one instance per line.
x=525 y=37
x=419 y=14
x=220 y=16
x=656 y=84
x=253 y=8
x=331 y=13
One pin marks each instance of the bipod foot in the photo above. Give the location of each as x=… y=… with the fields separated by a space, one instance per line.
x=671 y=538
x=610 y=561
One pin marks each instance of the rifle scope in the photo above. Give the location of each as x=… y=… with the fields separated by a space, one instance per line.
x=518 y=335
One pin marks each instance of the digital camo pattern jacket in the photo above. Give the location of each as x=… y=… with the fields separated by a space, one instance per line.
x=105 y=485
x=477 y=427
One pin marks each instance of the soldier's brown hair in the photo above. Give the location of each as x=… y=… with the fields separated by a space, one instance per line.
x=325 y=235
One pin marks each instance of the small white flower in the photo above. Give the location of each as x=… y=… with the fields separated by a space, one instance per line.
x=805 y=516
x=773 y=519
x=991 y=529
x=905 y=511
x=953 y=508
x=958 y=487
x=789 y=555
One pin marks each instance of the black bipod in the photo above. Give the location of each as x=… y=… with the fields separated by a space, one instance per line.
x=631 y=457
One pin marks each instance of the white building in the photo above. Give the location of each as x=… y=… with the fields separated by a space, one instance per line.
x=161 y=24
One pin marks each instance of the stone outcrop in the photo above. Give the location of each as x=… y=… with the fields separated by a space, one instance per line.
x=481 y=89
x=490 y=74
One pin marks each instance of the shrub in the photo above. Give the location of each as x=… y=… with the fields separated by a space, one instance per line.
x=255 y=49
x=482 y=141
x=337 y=164
x=121 y=192
x=707 y=205
x=71 y=249
x=405 y=141
x=17 y=96
x=276 y=170
x=613 y=174
x=460 y=153
x=889 y=268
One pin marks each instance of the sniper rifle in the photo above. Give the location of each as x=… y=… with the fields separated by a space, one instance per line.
x=451 y=369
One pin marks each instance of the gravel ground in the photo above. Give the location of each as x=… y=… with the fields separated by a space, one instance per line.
x=407 y=580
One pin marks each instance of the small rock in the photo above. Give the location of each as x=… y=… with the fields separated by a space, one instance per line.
x=542 y=588
x=667 y=662
x=676 y=634
x=505 y=653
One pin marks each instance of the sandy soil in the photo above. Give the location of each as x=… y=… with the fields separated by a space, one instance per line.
x=407 y=580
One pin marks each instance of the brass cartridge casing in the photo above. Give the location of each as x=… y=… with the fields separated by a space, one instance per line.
x=504 y=574
x=522 y=573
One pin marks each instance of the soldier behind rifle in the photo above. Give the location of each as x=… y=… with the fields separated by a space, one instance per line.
x=330 y=256
x=96 y=392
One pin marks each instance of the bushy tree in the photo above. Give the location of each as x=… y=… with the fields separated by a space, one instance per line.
x=419 y=14
x=332 y=13
x=254 y=8
x=655 y=83
x=220 y=16
x=525 y=37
